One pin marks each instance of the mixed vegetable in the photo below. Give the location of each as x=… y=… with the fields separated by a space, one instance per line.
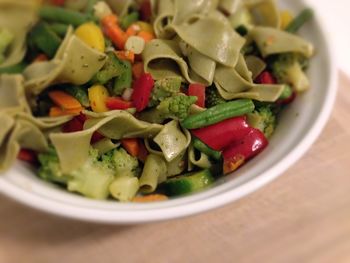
x=151 y=136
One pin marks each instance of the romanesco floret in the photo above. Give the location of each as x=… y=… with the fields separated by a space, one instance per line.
x=176 y=107
x=113 y=67
x=264 y=119
x=288 y=69
x=212 y=97
x=163 y=89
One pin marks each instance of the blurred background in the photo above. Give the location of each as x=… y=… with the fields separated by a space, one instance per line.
x=336 y=16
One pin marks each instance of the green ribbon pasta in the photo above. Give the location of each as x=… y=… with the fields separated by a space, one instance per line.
x=75 y=62
x=273 y=41
x=18 y=17
x=114 y=125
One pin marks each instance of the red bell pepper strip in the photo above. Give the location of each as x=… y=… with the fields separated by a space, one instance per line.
x=28 y=156
x=265 y=78
x=77 y=124
x=241 y=151
x=142 y=91
x=197 y=90
x=143 y=152
x=146 y=10
x=220 y=135
x=117 y=103
x=74 y=125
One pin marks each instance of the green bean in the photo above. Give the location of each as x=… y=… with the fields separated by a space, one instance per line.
x=80 y=94
x=129 y=19
x=61 y=15
x=300 y=20
x=218 y=113
x=124 y=80
x=45 y=39
x=14 y=69
x=202 y=147
x=59 y=29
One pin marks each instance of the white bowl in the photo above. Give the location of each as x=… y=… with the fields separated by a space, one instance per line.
x=299 y=127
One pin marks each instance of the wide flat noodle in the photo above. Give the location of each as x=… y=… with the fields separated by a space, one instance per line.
x=12 y=95
x=172 y=140
x=121 y=7
x=273 y=41
x=231 y=85
x=163 y=59
x=24 y=135
x=117 y=125
x=17 y=17
x=220 y=42
x=75 y=63
x=229 y=6
x=265 y=12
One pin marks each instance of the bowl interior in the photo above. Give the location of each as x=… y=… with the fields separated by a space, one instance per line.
x=299 y=126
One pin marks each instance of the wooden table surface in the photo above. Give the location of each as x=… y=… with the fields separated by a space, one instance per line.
x=304 y=216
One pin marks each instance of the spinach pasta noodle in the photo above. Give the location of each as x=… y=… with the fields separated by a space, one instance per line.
x=159 y=98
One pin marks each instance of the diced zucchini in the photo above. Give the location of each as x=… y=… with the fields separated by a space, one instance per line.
x=188 y=183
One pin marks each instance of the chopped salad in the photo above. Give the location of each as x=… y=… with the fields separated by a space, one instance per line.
x=145 y=100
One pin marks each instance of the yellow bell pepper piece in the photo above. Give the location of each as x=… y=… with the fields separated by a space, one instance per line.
x=286 y=19
x=98 y=95
x=92 y=35
x=145 y=27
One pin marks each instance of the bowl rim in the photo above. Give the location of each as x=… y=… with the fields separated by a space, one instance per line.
x=200 y=202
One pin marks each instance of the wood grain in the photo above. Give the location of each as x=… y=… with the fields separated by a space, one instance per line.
x=304 y=216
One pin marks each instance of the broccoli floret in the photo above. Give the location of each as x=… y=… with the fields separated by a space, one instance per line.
x=113 y=67
x=6 y=38
x=288 y=69
x=264 y=119
x=123 y=163
x=212 y=97
x=92 y=179
x=50 y=169
x=176 y=107
x=163 y=89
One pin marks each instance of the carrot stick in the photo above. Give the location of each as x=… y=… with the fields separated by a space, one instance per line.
x=58 y=112
x=131 y=146
x=113 y=31
x=150 y=198
x=126 y=55
x=64 y=100
x=147 y=36
x=133 y=30
x=137 y=70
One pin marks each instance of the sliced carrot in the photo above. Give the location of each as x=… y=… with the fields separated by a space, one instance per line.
x=131 y=146
x=147 y=36
x=133 y=30
x=137 y=70
x=58 y=112
x=126 y=55
x=64 y=100
x=40 y=58
x=113 y=31
x=150 y=198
